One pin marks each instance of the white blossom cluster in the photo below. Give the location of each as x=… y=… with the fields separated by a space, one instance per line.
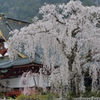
x=69 y=35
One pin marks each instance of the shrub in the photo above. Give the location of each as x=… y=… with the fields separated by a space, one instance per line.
x=36 y=97
x=24 y=97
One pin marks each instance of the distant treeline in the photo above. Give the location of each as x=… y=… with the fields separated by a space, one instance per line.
x=27 y=9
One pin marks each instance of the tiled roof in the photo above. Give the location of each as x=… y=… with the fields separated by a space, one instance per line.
x=7 y=25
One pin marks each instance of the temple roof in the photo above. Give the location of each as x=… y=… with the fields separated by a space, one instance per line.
x=7 y=25
x=5 y=62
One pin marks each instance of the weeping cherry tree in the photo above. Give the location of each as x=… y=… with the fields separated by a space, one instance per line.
x=69 y=36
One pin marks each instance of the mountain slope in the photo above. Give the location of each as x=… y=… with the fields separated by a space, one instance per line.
x=27 y=9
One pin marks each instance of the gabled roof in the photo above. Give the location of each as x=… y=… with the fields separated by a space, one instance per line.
x=7 y=25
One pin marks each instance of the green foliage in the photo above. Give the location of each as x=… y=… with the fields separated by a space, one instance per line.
x=71 y=95
x=87 y=93
x=1 y=95
x=56 y=95
x=50 y=96
x=23 y=97
x=36 y=97
x=91 y=94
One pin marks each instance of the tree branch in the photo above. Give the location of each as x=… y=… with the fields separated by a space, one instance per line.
x=57 y=19
x=75 y=31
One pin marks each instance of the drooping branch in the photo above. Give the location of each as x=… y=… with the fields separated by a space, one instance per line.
x=88 y=57
x=75 y=31
x=58 y=20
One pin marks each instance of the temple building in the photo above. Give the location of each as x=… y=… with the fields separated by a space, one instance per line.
x=11 y=71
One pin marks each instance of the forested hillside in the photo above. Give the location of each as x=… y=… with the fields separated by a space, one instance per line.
x=27 y=9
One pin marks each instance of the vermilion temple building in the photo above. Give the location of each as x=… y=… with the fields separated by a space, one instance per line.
x=11 y=71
